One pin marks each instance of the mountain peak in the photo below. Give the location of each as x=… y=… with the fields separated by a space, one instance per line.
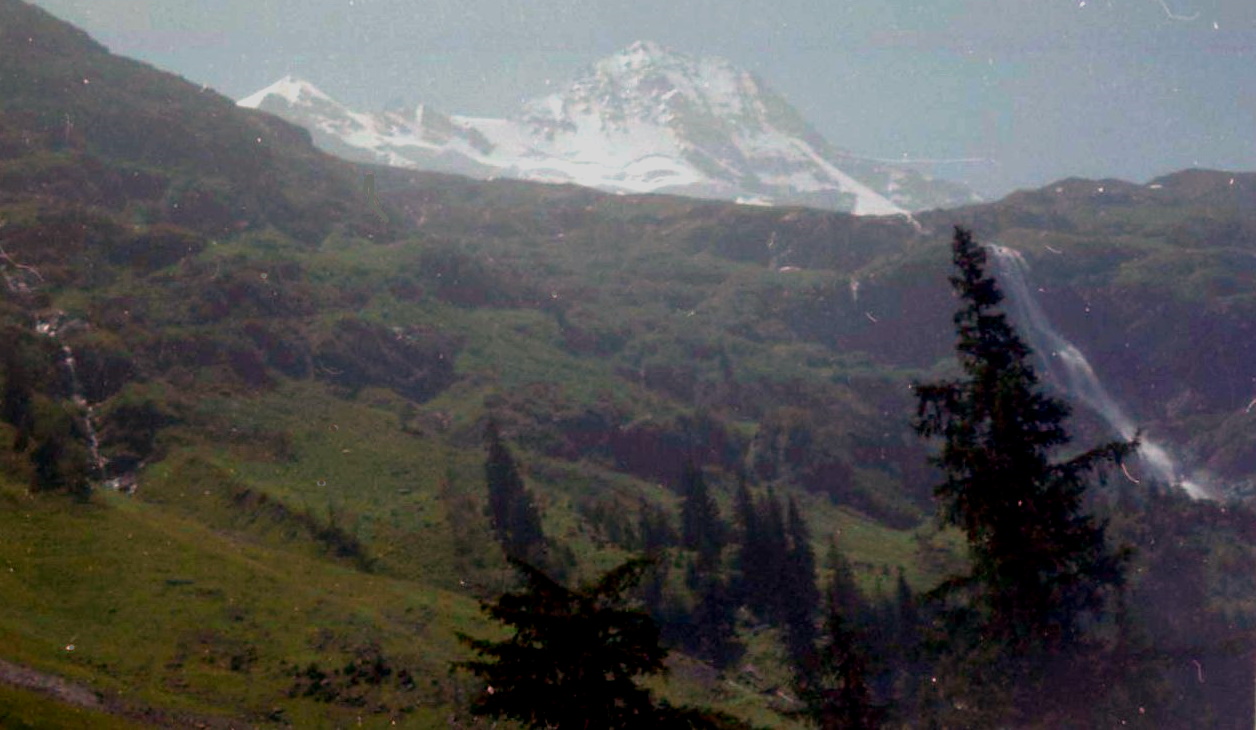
x=652 y=64
x=647 y=83
x=642 y=54
x=648 y=48
x=291 y=89
x=644 y=119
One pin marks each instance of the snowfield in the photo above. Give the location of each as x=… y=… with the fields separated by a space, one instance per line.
x=645 y=120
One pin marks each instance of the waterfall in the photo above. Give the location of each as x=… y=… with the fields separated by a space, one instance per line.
x=52 y=328
x=1072 y=371
x=22 y=281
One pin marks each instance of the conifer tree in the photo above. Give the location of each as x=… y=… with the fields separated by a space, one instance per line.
x=761 y=558
x=574 y=654
x=702 y=530
x=775 y=548
x=656 y=535
x=714 y=634
x=1041 y=566
x=515 y=517
x=747 y=559
x=836 y=687
x=744 y=508
x=905 y=630
x=800 y=597
x=654 y=528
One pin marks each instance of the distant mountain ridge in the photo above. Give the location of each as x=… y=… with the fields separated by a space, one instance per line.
x=644 y=120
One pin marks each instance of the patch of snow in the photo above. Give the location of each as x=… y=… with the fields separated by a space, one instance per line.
x=647 y=119
x=290 y=89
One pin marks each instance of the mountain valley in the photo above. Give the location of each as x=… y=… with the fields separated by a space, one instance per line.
x=290 y=361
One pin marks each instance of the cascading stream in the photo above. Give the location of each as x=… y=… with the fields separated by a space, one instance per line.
x=1070 y=368
x=22 y=281
x=52 y=328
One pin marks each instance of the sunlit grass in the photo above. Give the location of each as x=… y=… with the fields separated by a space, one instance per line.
x=157 y=609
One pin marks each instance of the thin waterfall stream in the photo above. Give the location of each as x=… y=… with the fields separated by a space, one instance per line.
x=1073 y=372
x=22 y=282
x=52 y=327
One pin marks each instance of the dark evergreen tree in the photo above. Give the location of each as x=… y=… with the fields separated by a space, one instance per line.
x=762 y=559
x=902 y=654
x=702 y=530
x=842 y=592
x=800 y=596
x=747 y=561
x=656 y=535
x=775 y=547
x=907 y=616
x=713 y=636
x=514 y=514
x=1041 y=566
x=744 y=509
x=654 y=595
x=654 y=527
x=836 y=688
x=574 y=655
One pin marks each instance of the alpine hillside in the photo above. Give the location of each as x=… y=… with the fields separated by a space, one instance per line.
x=644 y=120
x=269 y=419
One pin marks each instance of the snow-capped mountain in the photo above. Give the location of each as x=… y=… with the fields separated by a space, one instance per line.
x=644 y=120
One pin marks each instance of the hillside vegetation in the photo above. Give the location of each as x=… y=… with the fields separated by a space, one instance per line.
x=291 y=380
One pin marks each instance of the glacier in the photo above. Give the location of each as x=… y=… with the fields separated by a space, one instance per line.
x=644 y=120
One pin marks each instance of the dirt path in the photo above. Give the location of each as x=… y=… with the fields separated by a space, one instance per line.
x=50 y=684
x=81 y=695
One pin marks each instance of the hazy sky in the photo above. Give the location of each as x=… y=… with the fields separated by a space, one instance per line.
x=1039 y=89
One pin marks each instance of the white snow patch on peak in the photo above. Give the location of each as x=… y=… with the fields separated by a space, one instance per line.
x=648 y=72
x=291 y=89
x=646 y=119
x=641 y=54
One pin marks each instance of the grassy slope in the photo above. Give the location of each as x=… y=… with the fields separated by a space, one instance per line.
x=30 y=710
x=161 y=593
x=163 y=611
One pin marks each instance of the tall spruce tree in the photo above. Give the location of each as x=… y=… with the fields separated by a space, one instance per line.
x=702 y=530
x=1041 y=568
x=574 y=654
x=836 y=688
x=713 y=632
x=801 y=597
x=654 y=528
x=747 y=560
x=762 y=556
x=514 y=514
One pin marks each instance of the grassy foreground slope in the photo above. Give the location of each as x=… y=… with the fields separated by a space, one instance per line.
x=155 y=611
x=29 y=710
